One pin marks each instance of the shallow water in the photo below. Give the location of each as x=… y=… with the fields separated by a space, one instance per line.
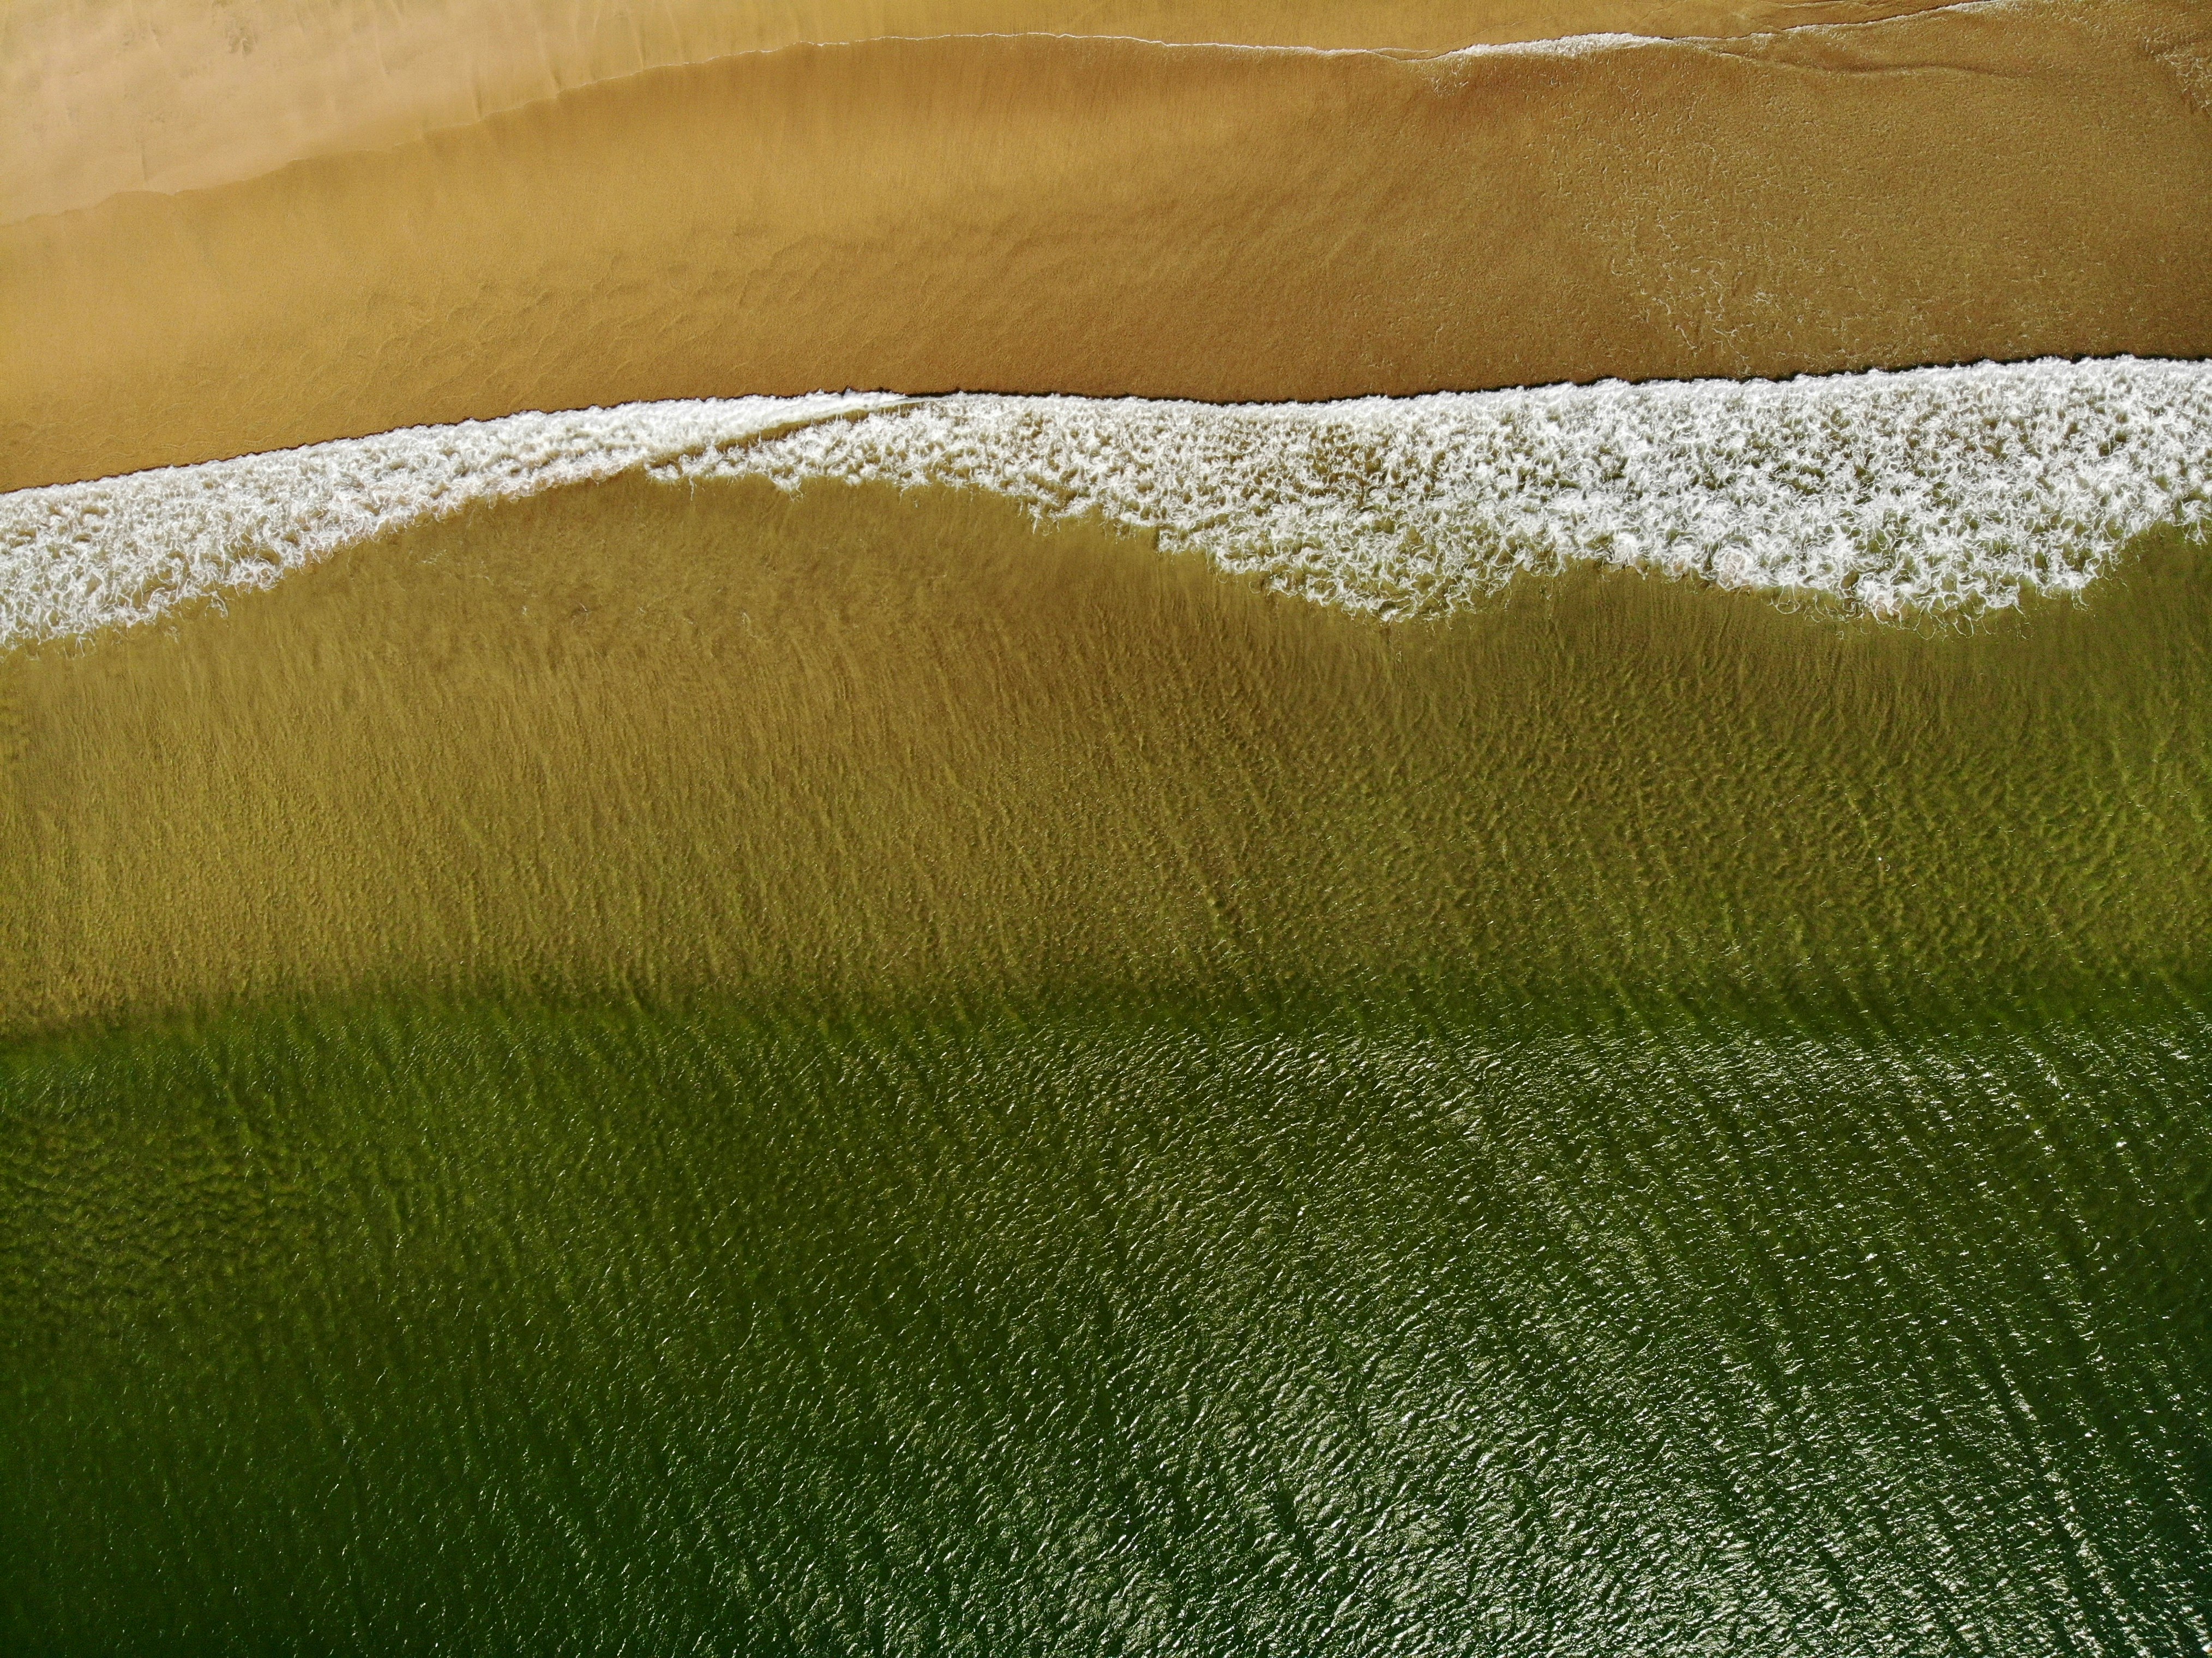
x=662 y=1070
x=865 y=742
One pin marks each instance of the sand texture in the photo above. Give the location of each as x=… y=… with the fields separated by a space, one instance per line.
x=1111 y=216
x=111 y=96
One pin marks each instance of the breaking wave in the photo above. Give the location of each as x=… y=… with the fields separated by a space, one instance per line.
x=1929 y=490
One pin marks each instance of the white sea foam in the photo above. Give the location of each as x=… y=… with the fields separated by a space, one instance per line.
x=76 y=557
x=1930 y=489
x=1940 y=490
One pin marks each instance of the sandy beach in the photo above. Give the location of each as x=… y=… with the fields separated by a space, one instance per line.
x=105 y=98
x=1116 y=216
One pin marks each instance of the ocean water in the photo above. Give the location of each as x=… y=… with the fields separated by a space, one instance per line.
x=861 y=1028
x=1404 y=1319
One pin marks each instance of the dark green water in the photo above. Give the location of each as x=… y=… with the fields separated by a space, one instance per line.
x=1381 y=1319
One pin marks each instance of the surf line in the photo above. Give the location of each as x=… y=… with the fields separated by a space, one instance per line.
x=1918 y=491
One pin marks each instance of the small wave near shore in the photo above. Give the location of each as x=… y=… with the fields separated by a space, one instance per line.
x=1928 y=491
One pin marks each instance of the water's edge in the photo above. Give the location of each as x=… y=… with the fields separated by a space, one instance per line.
x=1930 y=490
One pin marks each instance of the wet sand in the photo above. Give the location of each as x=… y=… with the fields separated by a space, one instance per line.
x=1114 y=217
x=857 y=743
x=105 y=98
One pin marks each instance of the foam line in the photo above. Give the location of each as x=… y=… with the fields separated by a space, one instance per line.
x=1930 y=490
x=78 y=558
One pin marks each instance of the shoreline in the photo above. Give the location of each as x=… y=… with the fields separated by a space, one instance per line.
x=1030 y=216
x=1866 y=488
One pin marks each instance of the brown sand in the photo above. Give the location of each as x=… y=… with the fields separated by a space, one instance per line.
x=106 y=96
x=1103 y=216
x=866 y=742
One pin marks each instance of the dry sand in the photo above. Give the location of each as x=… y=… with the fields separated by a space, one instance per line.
x=1112 y=216
x=109 y=95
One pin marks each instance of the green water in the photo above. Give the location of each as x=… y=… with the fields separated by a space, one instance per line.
x=1374 y=1318
x=1027 y=1100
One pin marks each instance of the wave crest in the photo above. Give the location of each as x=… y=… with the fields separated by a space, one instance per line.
x=1930 y=490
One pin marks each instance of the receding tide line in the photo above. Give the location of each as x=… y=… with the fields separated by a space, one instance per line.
x=1927 y=490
